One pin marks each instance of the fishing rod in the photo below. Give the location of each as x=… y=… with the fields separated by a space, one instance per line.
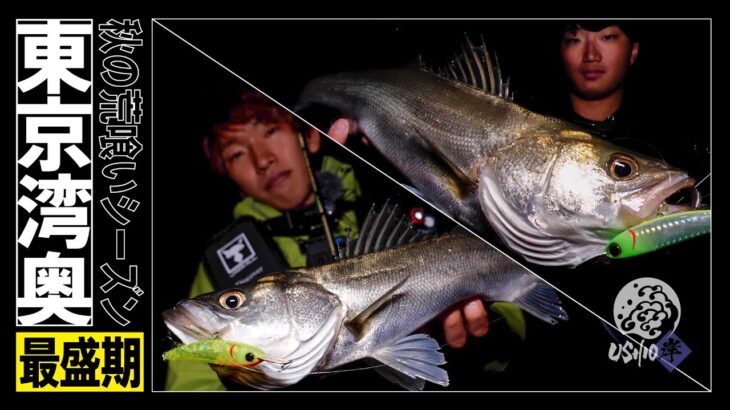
x=317 y=198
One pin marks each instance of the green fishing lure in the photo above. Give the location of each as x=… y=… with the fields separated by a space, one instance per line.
x=217 y=351
x=659 y=233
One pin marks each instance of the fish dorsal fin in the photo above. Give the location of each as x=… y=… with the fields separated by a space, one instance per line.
x=415 y=357
x=384 y=228
x=357 y=325
x=474 y=66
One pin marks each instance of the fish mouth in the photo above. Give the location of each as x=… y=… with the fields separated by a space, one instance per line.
x=676 y=194
x=182 y=322
x=684 y=199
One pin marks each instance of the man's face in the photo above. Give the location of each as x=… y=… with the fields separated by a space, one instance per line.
x=596 y=62
x=267 y=163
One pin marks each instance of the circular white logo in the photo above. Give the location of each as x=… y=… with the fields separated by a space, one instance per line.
x=647 y=308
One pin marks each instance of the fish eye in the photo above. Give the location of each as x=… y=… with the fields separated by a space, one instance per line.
x=250 y=357
x=622 y=167
x=232 y=299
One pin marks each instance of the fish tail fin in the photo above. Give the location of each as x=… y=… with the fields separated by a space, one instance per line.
x=542 y=301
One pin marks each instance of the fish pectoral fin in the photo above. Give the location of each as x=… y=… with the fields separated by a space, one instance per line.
x=413 y=357
x=542 y=302
x=358 y=323
x=460 y=184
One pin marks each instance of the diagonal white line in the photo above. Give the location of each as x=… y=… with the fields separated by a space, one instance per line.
x=420 y=198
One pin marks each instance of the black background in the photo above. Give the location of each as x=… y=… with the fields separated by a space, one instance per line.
x=670 y=83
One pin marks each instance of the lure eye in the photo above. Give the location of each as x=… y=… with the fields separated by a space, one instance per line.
x=250 y=357
x=614 y=250
x=622 y=167
x=232 y=299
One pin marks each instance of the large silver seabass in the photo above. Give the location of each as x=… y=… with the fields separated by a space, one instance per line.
x=554 y=193
x=315 y=319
